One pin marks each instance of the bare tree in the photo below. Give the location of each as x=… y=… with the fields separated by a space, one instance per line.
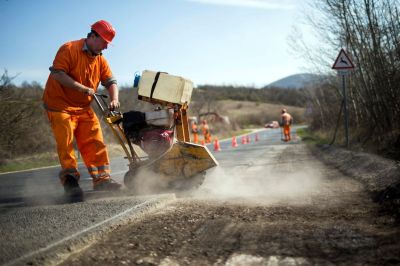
x=370 y=32
x=24 y=129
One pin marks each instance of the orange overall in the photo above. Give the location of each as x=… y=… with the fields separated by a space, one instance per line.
x=195 y=133
x=70 y=114
x=206 y=132
x=286 y=123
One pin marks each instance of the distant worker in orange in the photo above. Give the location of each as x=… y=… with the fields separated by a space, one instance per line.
x=78 y=69
x=206 y=132
x=195 y=132
x=286 y=122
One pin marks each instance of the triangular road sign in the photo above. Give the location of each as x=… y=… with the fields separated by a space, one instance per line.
x=343 y=61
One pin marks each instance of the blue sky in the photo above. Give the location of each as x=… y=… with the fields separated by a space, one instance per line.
x=222 y=42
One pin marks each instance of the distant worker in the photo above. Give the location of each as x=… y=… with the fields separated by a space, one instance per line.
x=286 y=122
x=78 y=69
x=206 y=132
x=195 y=132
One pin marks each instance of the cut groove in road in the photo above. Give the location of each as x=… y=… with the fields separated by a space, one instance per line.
x=59 y=250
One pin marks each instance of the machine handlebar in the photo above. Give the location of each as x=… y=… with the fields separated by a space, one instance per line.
x=104 y=106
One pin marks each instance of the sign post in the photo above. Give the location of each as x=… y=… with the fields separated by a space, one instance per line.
x=344 y=65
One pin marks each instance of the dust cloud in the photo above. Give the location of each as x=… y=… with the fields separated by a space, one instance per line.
x=147 y=182
x=265 y=185
x=41 y=191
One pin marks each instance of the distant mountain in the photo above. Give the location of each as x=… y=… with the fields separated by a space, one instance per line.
x=296 y=81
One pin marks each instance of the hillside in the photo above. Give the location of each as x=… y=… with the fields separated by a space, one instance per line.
x=270 y=95
x=296 y=81
x=266 y=111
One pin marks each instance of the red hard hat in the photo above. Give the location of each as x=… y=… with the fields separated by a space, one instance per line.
x=104 y=29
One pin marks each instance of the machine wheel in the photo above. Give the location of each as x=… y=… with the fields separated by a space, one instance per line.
x=188 y=183
x=183 y=184
x=144 y=183
x=129 y=179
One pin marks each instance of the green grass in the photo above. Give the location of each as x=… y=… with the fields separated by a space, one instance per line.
x=311 y=137
x=48 y=159
x=25 y=163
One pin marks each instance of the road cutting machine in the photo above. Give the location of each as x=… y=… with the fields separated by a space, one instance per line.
x=158 y=142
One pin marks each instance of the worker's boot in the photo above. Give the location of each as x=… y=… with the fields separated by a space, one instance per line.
x=72 y=188
x=107 y=185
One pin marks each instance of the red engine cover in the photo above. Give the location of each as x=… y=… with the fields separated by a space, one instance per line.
x=157 y=141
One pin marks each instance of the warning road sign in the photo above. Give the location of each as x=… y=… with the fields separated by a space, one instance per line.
x=343 y=61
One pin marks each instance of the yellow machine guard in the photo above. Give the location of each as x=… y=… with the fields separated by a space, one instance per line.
x=185 y=160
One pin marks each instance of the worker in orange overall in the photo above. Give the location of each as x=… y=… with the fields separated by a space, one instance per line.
x=286 y=122
x=206 y=132
x=78 y=69
x=195 y=132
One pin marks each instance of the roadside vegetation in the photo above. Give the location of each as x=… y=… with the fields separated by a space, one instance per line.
x=312 y=137
x=370 y=33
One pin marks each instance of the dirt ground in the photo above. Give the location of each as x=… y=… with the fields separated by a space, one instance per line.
x=331 y=220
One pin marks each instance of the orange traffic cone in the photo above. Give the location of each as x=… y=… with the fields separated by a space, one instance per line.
x=257 y=138
x=216 y=145
x=248 y=139
x=234 y=143
x=243 y=140
x=202 y=142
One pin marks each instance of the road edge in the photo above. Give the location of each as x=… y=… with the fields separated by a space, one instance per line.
x=380 y=176
x=61 y=250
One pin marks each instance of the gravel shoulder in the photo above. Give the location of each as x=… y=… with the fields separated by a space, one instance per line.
x=380 y=176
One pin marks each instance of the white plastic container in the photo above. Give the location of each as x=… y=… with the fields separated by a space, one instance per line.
x=163 y=117
x=167 y=88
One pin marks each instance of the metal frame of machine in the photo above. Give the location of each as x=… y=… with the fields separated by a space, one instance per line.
x=183 y=164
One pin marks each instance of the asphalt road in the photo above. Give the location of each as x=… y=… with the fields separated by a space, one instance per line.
x=42 y=184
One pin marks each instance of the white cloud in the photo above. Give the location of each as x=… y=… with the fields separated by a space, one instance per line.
x=263 y=4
